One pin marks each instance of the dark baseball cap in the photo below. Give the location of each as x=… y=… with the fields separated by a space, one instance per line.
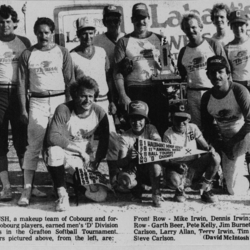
x=216 y=63
x=138 y=108
x=140 y=9
x=179 y=110
x=112 y=9
x=238 y=16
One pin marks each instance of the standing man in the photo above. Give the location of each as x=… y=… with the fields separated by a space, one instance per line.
x=45 y=72
x=112 y=17
x=238 y=50
x=192 y=61
x=227 y=103
x=220 y=17
x=11 y=47
x=137 y=59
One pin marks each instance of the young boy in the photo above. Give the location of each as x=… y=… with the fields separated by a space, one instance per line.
x=135 y=175
x=181 y=172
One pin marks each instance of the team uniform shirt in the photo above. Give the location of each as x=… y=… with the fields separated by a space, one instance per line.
x=239 y=59
x=192 y=62
x=187 y=139
x=232 y=113
x=229 y=36
x=109 y=46
x=67 y=127
x=128 y=138
x=143 y=53
x=46 y=70
x=95 y=67
x=9 y=56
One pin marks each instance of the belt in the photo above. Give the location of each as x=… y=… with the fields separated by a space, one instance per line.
x=48 y=93
x=198 y=89
x=6 y=85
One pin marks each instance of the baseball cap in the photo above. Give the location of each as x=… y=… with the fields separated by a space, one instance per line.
x=110 y=9
x=216 y=62
x=85 y=22
x=140 y=9
x=238 y=16
x=179 y=110
x=138 y=108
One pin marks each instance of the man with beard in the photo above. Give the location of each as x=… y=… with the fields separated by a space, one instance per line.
x=45 y=70
x=192 y=62
x=227 y=103
x=136 y=60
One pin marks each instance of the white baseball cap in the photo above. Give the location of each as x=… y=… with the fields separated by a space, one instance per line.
x=85 y=22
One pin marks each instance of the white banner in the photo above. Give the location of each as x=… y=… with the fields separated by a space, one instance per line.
x=151 y=151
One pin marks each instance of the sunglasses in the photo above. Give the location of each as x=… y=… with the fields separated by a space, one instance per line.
x=114 y=21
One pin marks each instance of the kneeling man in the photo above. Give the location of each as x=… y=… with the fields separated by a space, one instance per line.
x=71 y=134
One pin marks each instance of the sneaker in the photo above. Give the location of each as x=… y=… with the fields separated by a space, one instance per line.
x=136 y=199
x=6 y=194
x=37 y=193
x=209 y=197
x=180 y=196
x=157 y=200
x=62 y=204
x=25 y=197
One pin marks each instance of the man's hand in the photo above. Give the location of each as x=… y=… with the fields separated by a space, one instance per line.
x=132 y=154
x=124 y=101
x=112 y=108
x=94 y=165
x=85 y=156
x=24 y=117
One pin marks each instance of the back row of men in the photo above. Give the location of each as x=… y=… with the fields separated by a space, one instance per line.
x=45 y=72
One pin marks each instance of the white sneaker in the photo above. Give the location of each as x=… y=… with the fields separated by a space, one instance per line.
x=62 y=204
x=25 y=197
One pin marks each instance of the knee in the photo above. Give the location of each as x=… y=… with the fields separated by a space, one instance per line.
x=215 y=160
x=155 y=169
x=173 y=179
x=54 y=156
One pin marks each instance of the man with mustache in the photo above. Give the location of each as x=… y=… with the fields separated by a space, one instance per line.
x=136 y=60
x=192 y=62
x=227 y=103
x=45 y=71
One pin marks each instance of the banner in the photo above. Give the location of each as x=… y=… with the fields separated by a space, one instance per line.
x=151 y=151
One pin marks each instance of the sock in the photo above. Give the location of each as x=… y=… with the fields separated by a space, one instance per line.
x=28 y=178
x=4 y=177
x=61 y=191
x=206 y=185
x=57 y=175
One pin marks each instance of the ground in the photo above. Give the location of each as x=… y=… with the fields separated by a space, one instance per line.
x=120 y=202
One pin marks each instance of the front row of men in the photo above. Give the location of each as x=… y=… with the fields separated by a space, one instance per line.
x=76 y=122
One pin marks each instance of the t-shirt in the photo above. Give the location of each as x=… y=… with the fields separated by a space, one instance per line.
x=187 y=139
x=192 y=62
x=128 y=138
x=46 y=70
x=95 y=67
x=9 y=56
x=239 y=59
x=67 y=127
x=109 y=46
x=229 y=36
x=143 y=53
x=232 y=113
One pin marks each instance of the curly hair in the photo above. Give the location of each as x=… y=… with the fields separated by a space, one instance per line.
x=7 y=11
x=84 y=82
x=191 y=15
x=217 y=7
x=45 y=21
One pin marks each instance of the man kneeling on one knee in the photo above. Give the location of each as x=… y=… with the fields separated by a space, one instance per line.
x=71 y=134
x=185 y=171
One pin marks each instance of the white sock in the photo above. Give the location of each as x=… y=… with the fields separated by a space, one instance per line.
x=4 y=177
x=28 y=178
x=61 y=191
